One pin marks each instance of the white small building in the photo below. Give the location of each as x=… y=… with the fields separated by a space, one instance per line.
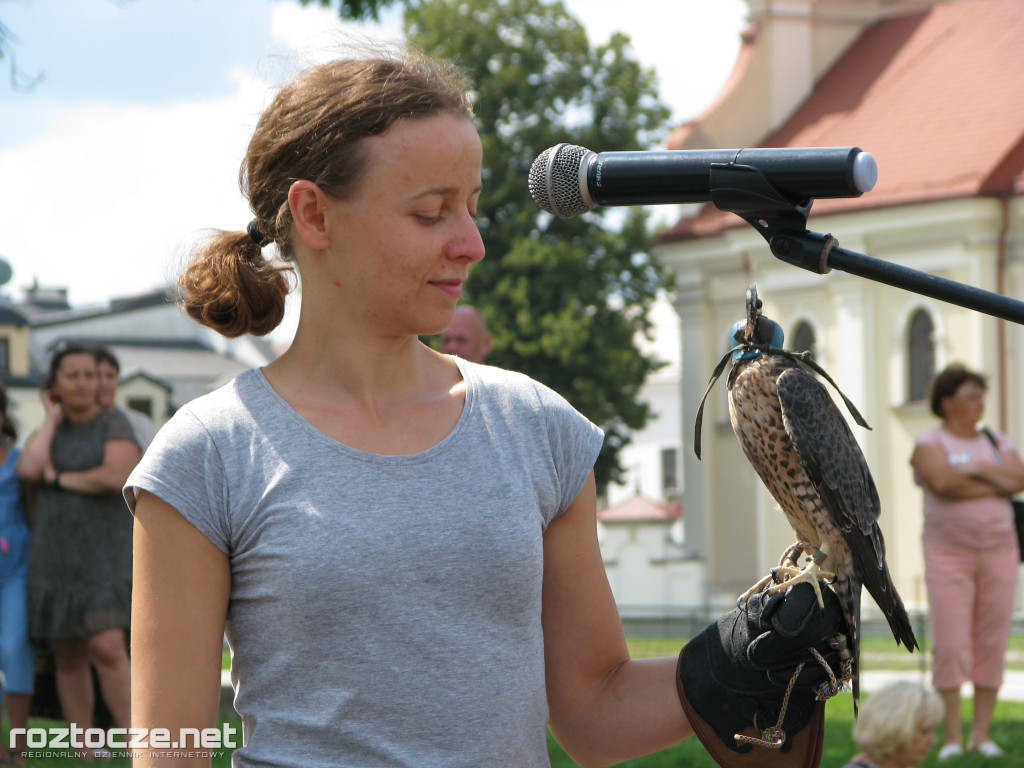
x=651 y=571
x=166 y=358
x=651 y=462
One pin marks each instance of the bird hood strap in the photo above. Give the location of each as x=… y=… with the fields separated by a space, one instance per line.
x=801 y=358
x=700 y=411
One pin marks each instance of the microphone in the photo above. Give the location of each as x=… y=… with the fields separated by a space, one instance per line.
x=568 y=180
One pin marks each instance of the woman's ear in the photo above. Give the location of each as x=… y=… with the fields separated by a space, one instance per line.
x=308 y=204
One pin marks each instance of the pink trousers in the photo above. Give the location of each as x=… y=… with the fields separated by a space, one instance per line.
x=970 y=597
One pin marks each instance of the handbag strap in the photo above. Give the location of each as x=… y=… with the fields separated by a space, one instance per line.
x=992 y=439
x=995 y=446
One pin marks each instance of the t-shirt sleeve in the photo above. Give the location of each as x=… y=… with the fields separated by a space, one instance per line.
x=117 y=426
x=574 y=442
x=928 y=437
x=184 y=468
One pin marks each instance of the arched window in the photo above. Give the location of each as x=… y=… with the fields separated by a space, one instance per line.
x=920 y=355
x=803 y=338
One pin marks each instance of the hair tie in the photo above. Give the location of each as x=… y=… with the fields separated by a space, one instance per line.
x=258 y=237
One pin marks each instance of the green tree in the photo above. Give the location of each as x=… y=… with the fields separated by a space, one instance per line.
x=564 y=298
x=355 y=9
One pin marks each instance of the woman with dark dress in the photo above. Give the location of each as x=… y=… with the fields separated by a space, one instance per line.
x=80 y=562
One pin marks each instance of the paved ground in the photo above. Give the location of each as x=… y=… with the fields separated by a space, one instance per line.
x=1012 y=690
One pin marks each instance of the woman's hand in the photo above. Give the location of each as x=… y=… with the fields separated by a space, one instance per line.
x=53 y=407
x=35 y=458
x=951 y=481
x=1006 y=477
x=49 y=474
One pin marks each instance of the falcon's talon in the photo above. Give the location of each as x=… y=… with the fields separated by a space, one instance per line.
x=753 y=590
x=811 y=574
x=792 y=554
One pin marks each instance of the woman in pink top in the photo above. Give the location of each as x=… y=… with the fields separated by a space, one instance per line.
x=970 y=551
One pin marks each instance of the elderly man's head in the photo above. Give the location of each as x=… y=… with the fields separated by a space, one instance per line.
x=467 y=336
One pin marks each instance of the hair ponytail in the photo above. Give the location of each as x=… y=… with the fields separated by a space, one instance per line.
x=228 y=286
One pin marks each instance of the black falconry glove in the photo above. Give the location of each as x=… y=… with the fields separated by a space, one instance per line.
x=754 y=683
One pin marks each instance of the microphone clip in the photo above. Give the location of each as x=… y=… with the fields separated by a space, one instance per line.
x=780 y=220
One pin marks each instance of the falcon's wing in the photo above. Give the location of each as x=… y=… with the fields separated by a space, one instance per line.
x=837 y=467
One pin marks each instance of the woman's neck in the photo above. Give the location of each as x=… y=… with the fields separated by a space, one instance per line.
x=80 y=415
x=357 y=366
x=960 y=428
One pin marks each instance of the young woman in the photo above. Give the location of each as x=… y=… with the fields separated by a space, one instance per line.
x=79 y=570
x=400 y=543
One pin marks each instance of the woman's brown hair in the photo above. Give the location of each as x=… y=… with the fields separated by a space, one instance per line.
x=312 y=130
x=8 y=430
x=948 y=381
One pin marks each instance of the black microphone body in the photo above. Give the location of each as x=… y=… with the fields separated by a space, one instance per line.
x=568 y=180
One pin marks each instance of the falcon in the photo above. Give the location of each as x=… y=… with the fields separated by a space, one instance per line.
x=805 y=453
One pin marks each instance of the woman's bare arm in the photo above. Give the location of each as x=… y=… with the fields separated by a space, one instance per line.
x=604 y=707
x=179 y=605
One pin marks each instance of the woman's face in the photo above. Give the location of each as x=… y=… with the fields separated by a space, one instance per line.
x=966 y=405
x=75 y=384
x=401 y=246
x=106 y=381
x=916 y=751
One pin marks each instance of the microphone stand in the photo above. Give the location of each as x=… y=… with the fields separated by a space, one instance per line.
x=744 y=190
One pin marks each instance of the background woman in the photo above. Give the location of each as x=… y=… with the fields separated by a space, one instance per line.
x=108 y=378
x=17 y=659
x=896 y=726
x=970 y=551
x=79 y=567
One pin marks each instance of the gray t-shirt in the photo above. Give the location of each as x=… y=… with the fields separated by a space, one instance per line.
x=385 y=610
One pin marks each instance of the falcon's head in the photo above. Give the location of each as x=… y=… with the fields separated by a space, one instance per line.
x=755 y=331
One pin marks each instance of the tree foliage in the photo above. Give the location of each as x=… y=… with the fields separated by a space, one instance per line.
x=564 y=298
x=354 y=9
x=17 y=78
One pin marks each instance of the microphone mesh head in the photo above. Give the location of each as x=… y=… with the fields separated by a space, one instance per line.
x=555 y=180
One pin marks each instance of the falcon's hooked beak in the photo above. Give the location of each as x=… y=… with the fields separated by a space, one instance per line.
x=756 y=331
x=753 y=313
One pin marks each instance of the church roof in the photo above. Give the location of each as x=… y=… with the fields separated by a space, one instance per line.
x=934 y=96
x=640 y=508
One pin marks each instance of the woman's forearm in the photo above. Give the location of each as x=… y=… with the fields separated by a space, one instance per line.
x=35 y=456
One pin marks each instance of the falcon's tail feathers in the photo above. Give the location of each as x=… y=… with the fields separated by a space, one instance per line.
x=899 y=622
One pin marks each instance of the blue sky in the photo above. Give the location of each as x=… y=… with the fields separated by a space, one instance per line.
x=130 y=142
x=140 y=51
